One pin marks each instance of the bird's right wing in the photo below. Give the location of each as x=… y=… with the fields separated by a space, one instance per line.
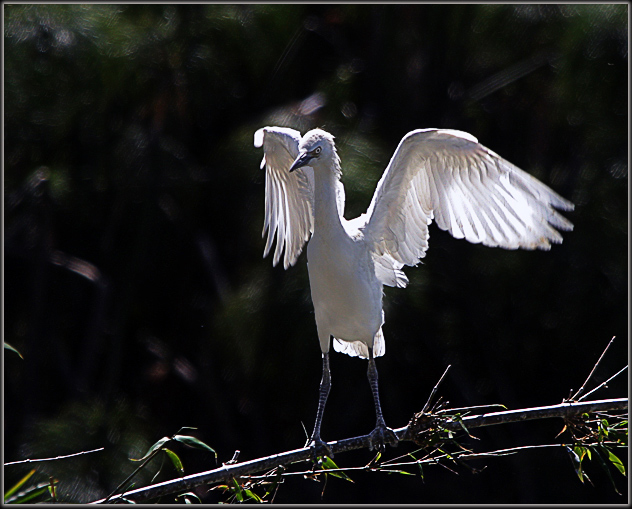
x=288 y=196
x=469 y=190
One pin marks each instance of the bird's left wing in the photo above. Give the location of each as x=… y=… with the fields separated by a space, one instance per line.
x=288 y=196
x=469 y=190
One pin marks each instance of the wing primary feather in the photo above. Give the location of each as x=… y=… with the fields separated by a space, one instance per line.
x=479 y=230
x=288 y=213
x=468 y=190
x=468 y=224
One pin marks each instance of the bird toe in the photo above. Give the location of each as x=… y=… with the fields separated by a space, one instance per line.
x=381 y=436
x=319 y=449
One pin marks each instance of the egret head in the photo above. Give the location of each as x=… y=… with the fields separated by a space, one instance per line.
x=316 y=149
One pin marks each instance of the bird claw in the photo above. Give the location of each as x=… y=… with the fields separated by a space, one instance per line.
x=319 y=449
x=380 y=436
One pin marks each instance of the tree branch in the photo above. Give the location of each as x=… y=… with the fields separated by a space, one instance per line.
x=420 y=423
x=563 y=410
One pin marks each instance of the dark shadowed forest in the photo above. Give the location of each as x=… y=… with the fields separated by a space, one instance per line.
x=134 y=283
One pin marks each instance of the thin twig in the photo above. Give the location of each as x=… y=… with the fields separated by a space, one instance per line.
x=434 y=390
x=593 y=370
x=476 y=455
x=403 y=456
x=52 y=459
x=503 y=452
x=604 y=383
x=130 y=476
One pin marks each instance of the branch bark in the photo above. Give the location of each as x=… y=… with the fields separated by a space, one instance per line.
x=418 y=424
x=563 y=410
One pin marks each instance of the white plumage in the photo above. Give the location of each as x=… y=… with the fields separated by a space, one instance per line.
x=437 y=174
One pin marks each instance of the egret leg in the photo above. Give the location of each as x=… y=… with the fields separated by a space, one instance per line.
x=381 y=434
x=320 y=447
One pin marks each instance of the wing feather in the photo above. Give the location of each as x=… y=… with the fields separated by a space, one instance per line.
x=469 y=190
x=288 y=196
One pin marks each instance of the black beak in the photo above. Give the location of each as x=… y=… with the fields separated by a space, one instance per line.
x=302 y=160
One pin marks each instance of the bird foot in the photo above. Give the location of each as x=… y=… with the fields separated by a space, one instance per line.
x=380 y=436
x=319 y=449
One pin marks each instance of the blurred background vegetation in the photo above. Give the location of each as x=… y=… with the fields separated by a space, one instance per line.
x=133 y=273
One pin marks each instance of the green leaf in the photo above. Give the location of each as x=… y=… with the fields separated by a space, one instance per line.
x=236 y=489
x=577 y=463
x=599 y=451
x=619 y=433
x=195 y=443
x=252 y=495
x=9 y=347
x=403 y=472
x=421 y=470
x=447 y=454
x=31 y=494
x=157 y=445
x=52 y=488
x=616 y=462
x=158 y=471
x=17 y=486
x=175 y=460
x=187 y=496
x=28 y=494
x=329 y=464
x=619 y=437
x=580 y=451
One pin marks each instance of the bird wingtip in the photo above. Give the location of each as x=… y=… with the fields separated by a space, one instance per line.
x=258 y=141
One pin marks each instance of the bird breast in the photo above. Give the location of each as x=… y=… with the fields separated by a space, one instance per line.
x=346 y=294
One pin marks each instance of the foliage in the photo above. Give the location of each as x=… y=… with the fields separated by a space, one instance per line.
x=596 y=438
x=30 y=493
x=153 y=451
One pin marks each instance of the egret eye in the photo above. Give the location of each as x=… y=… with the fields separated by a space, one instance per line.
x=317 y=150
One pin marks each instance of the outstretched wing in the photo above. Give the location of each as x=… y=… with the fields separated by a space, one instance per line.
x=469 y=190
x=289 y=196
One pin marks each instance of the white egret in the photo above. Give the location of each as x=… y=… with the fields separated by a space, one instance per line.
x=437 y=174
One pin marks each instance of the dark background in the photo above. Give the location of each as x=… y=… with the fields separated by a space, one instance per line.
x=133 y=275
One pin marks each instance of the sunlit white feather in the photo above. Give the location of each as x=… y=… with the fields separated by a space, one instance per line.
x=437 y=174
